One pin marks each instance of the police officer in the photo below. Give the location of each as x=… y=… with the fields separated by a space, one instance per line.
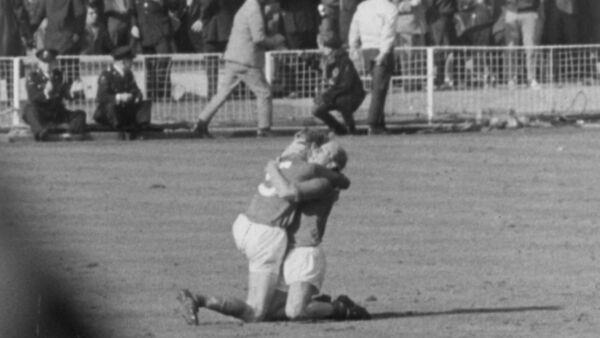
x=46 y=112
x=120 y=101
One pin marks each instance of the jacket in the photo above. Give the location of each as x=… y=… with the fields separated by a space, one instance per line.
x=66 y=24
x=300 y=16
x=374 y=26
x=152 y=19
x=217 y=18
x=14 y=25
x=248 y=37
x=345 y=91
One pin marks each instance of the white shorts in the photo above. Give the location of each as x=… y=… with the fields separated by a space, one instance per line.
x=263 y=245
x=305 y=264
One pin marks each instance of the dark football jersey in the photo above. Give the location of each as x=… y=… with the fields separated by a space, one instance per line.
x=266 y=207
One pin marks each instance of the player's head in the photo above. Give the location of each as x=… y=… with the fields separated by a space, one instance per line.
x=330 y=155
x=123 y=56
x=303 y=141
x=46 y=59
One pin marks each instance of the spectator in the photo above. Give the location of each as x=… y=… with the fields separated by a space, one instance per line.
x=244 y=61
x=14 y=37
x=410 y=32
x=64 y=31
x=345 y=91
x=347 y=10
x=562 y=20
x=38 y=35
x=14 y=28
x=96 y=40
x=151 y=25
x=66 y=24
x=561 y=27
x=372 y=35
x=590 y=21
x=473 y=25
x=120 y=103
x=217 y=17
x=188 y=38
x=329 y=29
x=300 y=23
x=46 y=112
x=118 y=21
x=439 y=16
x=524 y=20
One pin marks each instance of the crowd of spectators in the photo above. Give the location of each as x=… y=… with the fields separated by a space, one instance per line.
x=193 y=26
x=74 y=27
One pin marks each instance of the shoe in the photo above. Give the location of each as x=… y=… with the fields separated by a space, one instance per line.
x=264 y=132
x=201 y=130
x=188 y=306
x=353 y=310
x=377 y=131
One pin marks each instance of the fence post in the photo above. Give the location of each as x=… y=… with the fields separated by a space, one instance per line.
x=16 y=70
x=430 y=83
x=269 y=67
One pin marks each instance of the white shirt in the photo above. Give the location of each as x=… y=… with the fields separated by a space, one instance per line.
x=374 y=26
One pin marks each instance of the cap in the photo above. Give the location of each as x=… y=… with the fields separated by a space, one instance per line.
x=46 y=55
x=123 y=52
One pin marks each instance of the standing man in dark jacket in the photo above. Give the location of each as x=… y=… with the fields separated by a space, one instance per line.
x=15 y=34
x=64 y=30
x=151 y=25
x=14 y=28
x=46 y=92
x=120 y=101
x=300 y=23
x=347 y=9
x=439 y=17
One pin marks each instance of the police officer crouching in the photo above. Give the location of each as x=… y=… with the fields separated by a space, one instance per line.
x=45 y=112
x=120 y=102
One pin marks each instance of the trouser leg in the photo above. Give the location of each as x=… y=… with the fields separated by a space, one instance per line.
x=76 y=120
x=255 y=79
x=380 y=83
x=322 y=112
x=32 y=117
x=230 y=81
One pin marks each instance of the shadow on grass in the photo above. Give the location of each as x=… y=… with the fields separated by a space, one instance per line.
x=409 y=314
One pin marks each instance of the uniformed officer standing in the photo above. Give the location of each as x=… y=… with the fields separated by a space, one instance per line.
x=46 y=112
x=120 y=101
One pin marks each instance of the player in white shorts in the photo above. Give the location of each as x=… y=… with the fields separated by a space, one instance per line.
x=305 y=264
x=260 y=234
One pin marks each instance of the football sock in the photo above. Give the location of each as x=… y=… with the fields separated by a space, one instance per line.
x=228 y=306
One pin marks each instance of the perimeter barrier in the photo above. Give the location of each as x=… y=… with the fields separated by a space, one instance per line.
x=428 y=84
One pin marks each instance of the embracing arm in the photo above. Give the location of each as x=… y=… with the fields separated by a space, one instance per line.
x=300 y=191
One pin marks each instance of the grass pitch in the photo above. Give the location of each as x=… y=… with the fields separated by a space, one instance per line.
x=454 y=235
